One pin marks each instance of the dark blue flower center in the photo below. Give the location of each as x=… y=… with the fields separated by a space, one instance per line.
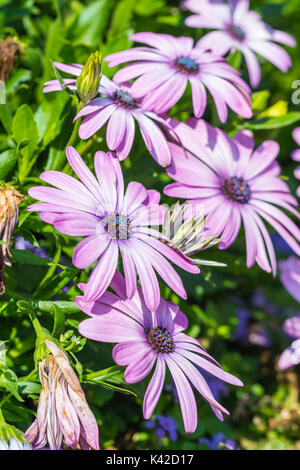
x=237 y=190
x=186 y=65
x=118 y=226
x=161 y=339
x=236 y=32
x=124 y=99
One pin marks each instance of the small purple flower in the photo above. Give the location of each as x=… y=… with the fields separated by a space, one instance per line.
x=290 y=276
x=239 y=28
x=219 y=442
x=165 y=69
x=296 y=155
x=22 y=244
x=250 y=333
x=148 y=338
x=111 y=222
x=291 y=356
x=235 y=183
x=163 y=425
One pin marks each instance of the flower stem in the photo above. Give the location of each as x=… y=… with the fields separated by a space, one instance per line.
x=2 y=420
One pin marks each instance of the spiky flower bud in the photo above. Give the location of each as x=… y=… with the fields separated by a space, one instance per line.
x=89 y=80
x=185 y=227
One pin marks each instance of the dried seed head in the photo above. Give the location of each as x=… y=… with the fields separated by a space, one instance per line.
x=10 y=199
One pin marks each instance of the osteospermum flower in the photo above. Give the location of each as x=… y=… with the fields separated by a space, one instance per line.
x=291 y=356
x=10 y=199
x=165 y=69
x=296 y=155
x=234 y=183
x=239 y=28
x=63 y=415
x=111 y=222
x=120 y=108
x=147 y=339
x=290 y=276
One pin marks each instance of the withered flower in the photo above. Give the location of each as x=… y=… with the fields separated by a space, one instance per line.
x=63 y=416
x=8 y=51
x=10 y=199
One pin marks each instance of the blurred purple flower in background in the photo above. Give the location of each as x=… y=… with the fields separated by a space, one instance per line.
x=165 y=69
x=164 y=426
x=250 y=332
x=296 y=155
x=239 y=28
x=291 y=356
x=219 y=442
x=22 y=244
x=290 y=276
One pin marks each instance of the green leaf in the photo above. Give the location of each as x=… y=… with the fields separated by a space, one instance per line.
x=26 y=257
x=18 y=78
x=8 y=160
x=59 y=321
x=27 y=388
x=24 y=128
x=65 y=306
x=6 y=117
x=88 y=31
x=272 y=122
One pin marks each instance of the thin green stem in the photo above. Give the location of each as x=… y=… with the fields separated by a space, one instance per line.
x=37 y=326
x=2 y=420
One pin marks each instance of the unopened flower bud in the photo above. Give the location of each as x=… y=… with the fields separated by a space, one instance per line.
x=89 y=80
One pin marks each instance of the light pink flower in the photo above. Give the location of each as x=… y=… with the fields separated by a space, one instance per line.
x=63 y=415
x=234 y=183
x=120 y=107
x=290 y=276
x=147 y=339
x=239 y=28
x=72 y=69
x=166 y=68
x=112 y=223
x=296 y=155
x=291 y=356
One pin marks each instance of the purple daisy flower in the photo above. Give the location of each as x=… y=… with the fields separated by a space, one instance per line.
x=111 y=222
x=291 y=356
x=72 y=69
x=296 y=155
x=239 y=28
x=155 y=338
x=290 y=276
x=234 y=183
x=120 y=107
x=165 y=69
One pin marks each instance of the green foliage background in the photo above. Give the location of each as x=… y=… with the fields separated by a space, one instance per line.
x=34 y=130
